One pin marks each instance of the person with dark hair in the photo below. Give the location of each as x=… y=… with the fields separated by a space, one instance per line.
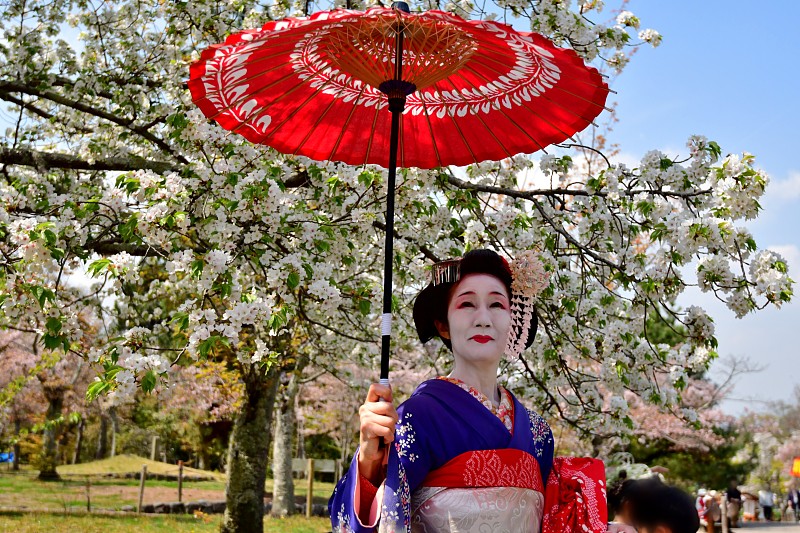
x=462 y=453
x=734 y=501
x=658 y=508
x=619 y=511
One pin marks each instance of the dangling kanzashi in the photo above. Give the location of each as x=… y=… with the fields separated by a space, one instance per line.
x=529 y=278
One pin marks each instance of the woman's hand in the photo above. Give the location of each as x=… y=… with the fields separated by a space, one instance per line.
x=378 y=420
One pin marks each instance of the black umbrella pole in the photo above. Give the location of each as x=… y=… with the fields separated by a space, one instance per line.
x=396 y=106
x=396 y=90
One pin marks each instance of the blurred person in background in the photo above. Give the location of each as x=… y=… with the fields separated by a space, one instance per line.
x=734 y=496
x=766 y=499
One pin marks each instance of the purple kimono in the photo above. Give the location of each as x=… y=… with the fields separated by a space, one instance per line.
x=454 y=467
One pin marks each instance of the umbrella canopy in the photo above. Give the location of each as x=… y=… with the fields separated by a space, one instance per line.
x=387 y=86
x=476 y=90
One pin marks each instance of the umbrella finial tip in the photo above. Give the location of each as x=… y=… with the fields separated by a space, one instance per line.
x=401 y=6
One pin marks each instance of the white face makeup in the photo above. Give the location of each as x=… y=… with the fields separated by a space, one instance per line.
x=479 y=319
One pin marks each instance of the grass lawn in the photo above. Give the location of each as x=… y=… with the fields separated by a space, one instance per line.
x=21 y=490
x=37 y=522
x=132 y=464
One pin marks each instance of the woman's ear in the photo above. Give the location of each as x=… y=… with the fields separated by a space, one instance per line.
x=442 y=328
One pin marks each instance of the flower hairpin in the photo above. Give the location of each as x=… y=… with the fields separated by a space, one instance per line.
x=528 y=279
x=528 y=275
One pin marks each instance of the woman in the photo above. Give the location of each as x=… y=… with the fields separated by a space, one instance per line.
x=461 y=454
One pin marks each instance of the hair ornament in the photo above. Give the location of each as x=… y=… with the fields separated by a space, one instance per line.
x=528 y=279
x=446 y=272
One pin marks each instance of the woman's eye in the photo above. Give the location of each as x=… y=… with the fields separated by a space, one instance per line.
x=465 y=304
x=498 y=305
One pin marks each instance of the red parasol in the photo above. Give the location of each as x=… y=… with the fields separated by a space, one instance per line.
x=467 y=91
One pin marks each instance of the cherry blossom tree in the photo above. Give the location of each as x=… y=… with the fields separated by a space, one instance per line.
x=774 y=441
x=20 y=401
x=42 y=392
x=201 y=245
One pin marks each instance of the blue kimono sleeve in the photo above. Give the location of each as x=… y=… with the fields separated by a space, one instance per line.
x=543 y=445
x=408 y=464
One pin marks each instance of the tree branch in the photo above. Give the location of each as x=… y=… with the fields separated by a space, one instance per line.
x=427 y=252
x=33 y=158
x=6 y=87
x=530 y=194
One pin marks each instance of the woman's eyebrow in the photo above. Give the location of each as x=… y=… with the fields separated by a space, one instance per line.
x=468 y=293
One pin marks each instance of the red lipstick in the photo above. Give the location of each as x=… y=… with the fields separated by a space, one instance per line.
x=483 y=339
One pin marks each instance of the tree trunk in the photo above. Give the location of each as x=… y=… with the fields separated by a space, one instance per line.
x=112 y=413
x=76 y=454
x=102 y=438
x=248 y=454
x=301 y=441
x=283 y=483
x=48 y=460
x=17 y=429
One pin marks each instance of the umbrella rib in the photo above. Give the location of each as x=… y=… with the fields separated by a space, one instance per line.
x=541 y=95
x=430 y=128
x=231 y=105
x=504 y=113
x=318 y=121
x=505 y=72
x=500 y=108
x=485 y=125
x=501 y=69
x=349 y=116
x=455 y=124
x=369 y=141
x=255 y=76
x=572 y=63
x=293 y=112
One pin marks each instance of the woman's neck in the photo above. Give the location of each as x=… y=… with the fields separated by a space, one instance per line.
x=484 y=381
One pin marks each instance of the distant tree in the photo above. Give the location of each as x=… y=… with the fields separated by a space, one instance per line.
x=774 y=441
x=694 y=439
x=37 y=381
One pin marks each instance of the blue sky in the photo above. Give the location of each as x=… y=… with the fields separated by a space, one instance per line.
x=728 y=70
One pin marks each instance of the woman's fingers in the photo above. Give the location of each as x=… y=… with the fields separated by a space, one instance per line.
x=378 y=418
x=378 y=392
x=379 y=408
x=379 y=426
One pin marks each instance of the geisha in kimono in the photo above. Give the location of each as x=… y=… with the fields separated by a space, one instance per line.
x=462 y=454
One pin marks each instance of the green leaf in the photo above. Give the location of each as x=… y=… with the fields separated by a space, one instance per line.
x=181 y=319
x=57 y=253
x=96 y=389
x=210 y=345
x=51 y=342
x=714 y=149
x=41 y=294
x=364 y=306
x=54 y=324
x=95 y=267
x=293 y=280
x=50 y=237
x=127 y=230
x=197 y=267
x=149 y=381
